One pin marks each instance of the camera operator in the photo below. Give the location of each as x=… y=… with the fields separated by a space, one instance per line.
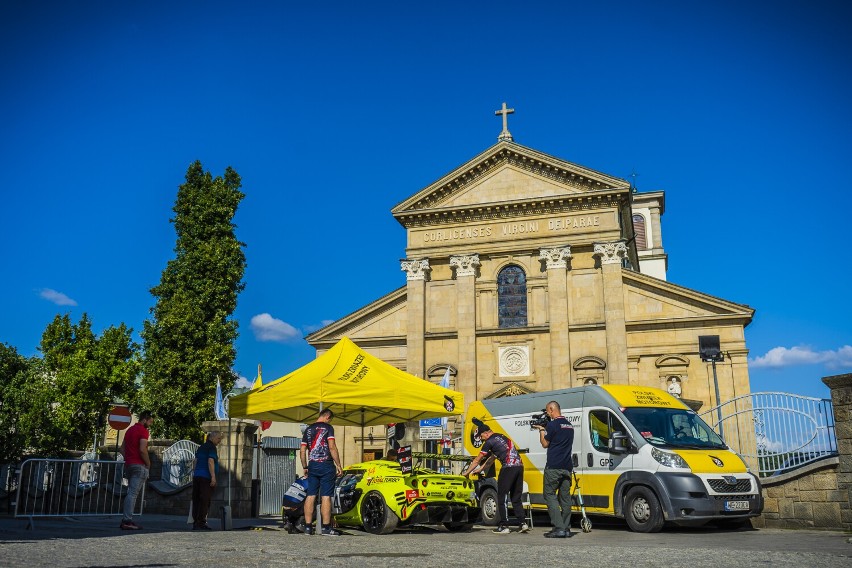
x=558 y=438
x=510 y=481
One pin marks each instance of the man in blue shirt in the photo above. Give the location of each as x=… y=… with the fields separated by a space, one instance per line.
x=204 y=480
x=558 y=438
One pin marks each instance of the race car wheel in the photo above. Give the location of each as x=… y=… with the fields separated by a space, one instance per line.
x=642 y=510
x=458 y=527
x=488 y=504
x=376 y=515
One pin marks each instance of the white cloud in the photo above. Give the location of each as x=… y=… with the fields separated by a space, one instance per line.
x=267 y=328
x=243 y=383
x=57 y=298
x=803 y=355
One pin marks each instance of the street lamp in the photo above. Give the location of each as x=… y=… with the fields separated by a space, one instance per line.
x=709 y=350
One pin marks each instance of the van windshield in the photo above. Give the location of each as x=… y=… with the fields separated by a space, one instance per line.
x=673 y=428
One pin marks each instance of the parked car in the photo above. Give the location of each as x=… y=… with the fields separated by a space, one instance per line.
x=377 y=496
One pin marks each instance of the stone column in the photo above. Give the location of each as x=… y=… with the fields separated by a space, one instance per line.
x=466 y=382
x=841 y=400
x=611 y=255
x=238 y=464
x=556 y=260
x=416 y=272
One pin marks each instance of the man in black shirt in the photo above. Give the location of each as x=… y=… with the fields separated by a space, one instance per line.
x=558 y=438
x=510 y=481
x=321 y=462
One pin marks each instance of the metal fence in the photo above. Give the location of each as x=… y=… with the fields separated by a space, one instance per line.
x=48 y=487
x=776 y=432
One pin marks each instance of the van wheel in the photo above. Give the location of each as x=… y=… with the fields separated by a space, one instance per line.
x=642 y=510
x=376 y=515
x=488 y=504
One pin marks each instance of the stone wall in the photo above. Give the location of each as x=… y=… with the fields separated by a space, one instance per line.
x=819 y=495
x=241 y=445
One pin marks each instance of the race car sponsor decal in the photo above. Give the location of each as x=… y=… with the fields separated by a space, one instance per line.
x=382 y=479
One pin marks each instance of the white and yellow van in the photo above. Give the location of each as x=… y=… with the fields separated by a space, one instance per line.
x=639 y=453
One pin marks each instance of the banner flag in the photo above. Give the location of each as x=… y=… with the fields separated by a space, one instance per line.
x=219 y=407
x=445 y=382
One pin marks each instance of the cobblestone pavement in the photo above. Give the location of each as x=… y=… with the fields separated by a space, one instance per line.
x=166 y=541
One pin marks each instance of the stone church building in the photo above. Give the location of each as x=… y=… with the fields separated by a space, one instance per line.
x=524 y=272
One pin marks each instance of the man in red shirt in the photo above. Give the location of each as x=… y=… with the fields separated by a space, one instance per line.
x=136 y=465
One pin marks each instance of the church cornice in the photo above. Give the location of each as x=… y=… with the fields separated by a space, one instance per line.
x=706 y=301
x=512 y=209
x=593 y=189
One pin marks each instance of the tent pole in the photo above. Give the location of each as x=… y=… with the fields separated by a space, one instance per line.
x=362 y=434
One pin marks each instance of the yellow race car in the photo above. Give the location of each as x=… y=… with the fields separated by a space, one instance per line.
x=376 y=495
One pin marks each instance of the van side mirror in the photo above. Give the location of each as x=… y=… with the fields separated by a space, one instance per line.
x=619 y=443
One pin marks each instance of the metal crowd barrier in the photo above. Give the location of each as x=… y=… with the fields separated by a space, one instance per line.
x=48 y=487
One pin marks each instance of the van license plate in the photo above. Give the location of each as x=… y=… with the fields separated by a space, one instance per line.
x=737 y=505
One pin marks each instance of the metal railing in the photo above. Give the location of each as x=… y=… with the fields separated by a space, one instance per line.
x=776 y=432
x=49 y=487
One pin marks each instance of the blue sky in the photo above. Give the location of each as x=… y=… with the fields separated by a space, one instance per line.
x=334 y=113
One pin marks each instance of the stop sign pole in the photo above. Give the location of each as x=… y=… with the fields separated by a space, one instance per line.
x=119 y=419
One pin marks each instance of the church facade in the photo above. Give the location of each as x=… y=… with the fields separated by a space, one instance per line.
x=524 y=272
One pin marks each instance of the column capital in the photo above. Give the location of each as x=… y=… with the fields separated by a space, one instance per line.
x=415 y=269
x=465 y=264
x=611 y=253
x=556 y=257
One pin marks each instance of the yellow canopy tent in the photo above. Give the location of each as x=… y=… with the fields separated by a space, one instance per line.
x=361 y=390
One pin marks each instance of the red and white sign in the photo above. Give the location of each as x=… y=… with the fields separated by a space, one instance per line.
x=119 y=417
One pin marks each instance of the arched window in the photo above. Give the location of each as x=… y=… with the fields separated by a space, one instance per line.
x=639 y=229
x=512 y=297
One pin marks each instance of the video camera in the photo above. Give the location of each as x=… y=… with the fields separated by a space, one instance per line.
x=539 y=419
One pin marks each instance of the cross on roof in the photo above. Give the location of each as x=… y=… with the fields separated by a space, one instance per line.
x=505 y=135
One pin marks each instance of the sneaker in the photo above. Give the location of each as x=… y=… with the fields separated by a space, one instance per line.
x=524 y=528
x=501 y=530
x=309 y=530
x=129 y=526
x=204 y=527
x=330 y=532
x=556 y=533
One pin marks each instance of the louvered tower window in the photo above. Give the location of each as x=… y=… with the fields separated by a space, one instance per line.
x=639 y=228
x=512 y=297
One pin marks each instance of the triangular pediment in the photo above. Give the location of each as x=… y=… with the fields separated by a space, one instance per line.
x=649 y=300
x=509 y=175
x=384 y=318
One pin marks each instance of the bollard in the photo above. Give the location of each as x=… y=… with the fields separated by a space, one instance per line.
x=226 y=518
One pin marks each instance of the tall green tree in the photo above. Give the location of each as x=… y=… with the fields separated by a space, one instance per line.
x=189 y=340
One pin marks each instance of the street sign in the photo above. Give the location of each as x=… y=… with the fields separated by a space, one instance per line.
x=430 y=422
x=119 y=417
x=431 y=433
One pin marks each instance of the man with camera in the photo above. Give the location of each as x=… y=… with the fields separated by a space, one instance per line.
x=558 y=437
x=510 y=481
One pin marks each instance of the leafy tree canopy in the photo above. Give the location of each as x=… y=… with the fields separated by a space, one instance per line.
x=60 y=400
x=189 y=339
